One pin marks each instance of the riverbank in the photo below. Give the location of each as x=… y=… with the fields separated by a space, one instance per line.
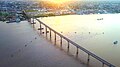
x=37 y=15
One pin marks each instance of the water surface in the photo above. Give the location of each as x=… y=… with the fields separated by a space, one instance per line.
x=98 y=36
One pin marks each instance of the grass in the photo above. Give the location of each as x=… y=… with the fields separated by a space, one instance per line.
x=31 y=10
x=43 y=14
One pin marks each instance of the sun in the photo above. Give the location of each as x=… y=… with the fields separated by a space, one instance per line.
x=59 y=1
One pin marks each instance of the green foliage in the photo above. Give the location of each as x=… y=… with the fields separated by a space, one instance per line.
x=31 y=10
x=4 y=14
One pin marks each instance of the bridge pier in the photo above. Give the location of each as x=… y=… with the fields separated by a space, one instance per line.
x=55 y=38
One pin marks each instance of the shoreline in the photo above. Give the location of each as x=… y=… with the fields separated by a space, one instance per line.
x=81 y=15
x=68 y=15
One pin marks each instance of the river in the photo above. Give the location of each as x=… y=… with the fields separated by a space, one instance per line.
x=96 y=33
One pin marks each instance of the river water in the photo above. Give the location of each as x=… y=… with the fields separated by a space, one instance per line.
x=96 y=33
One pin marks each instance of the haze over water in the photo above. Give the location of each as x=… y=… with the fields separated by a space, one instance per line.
x=89 y=32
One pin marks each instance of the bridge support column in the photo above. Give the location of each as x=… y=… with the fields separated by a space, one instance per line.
x=50 y=35
x=55 y=38
x=88 y=60
x=77 y=52
x=61 y=42
x=68 y=46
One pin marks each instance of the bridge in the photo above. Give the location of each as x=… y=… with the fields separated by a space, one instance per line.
x=78 y=47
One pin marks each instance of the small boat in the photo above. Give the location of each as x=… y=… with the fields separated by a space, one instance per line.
x=11 y=21
x=116 y=42
x=100 y=19
x=17 y=20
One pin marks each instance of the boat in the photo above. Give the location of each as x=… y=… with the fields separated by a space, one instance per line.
x=100 y=19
